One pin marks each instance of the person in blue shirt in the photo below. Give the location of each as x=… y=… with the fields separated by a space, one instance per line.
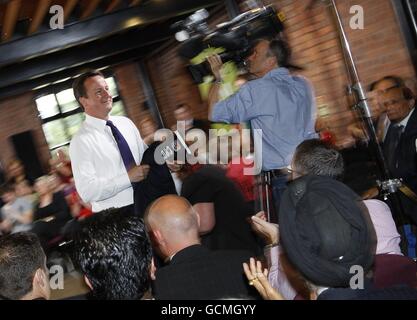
x=279 y=106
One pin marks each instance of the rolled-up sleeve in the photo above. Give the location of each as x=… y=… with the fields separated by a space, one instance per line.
x=89 y=184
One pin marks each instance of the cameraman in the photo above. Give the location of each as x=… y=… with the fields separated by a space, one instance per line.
x=278 y=103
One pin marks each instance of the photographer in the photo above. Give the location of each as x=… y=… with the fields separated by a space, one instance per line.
x=278 y=103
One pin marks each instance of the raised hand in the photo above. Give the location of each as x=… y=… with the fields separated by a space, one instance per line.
x=138 y=173
x=259 y=279
x=266 y=230
x=216 y=64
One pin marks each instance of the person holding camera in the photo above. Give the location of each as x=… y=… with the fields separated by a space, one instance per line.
x=278 y=104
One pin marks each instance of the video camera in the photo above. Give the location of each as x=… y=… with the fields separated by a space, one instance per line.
x=236 y=37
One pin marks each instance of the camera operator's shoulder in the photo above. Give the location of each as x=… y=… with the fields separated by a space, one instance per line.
x=259 y=83
x=302 y=80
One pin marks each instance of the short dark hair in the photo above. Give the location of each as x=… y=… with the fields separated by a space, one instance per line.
x=281 y=51
x=21 y=255
x=316 y=157
x=78 y=84
x=6 y=187
x=398 y=83
x=113 y=251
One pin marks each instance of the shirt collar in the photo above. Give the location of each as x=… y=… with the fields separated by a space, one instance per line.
x=280 y=71
x=404 y=121
x=96 y=123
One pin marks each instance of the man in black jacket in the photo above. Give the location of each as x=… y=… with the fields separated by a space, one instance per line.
x=400 y=134
x=192 y=271
x=159 y=181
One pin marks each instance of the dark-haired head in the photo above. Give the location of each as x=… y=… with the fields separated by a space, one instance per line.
x=391 y=82
x=281 y=51
x=397 y=99
x=22 y=267
x=268 y=54
x=316 y=157
x=113 y=251
x=7 y=192
x=6 y=188
x=78 y=85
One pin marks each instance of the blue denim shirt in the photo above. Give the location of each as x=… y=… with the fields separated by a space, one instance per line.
x=279 y=104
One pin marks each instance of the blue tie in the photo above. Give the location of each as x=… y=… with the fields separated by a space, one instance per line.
x=124 y=149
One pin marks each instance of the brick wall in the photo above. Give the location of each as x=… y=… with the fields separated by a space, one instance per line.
x=172 y=84
x=130 y=89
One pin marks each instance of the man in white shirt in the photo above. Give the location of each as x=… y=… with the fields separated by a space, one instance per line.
x=101 y=174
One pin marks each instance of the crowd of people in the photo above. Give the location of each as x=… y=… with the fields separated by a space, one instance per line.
x=46 y=206
x=140 y=229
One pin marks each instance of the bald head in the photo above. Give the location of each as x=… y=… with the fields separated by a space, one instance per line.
x=174 y=217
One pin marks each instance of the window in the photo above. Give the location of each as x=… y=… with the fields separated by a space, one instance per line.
x=62 y=117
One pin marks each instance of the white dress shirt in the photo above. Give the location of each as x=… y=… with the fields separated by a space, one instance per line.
x=177 y=182
x=99 y=173
x=402 y=123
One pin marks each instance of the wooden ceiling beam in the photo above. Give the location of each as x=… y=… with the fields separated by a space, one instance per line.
x=43 y=8
x=113 y=5
x=10 y=19
x=91 y=7
x=102 y=26
x=135 y=2
x=69 y=7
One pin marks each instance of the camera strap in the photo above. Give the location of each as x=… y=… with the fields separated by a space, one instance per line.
x=408 y=193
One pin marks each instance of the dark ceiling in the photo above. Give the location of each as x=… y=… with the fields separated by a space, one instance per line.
x=96 y=33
